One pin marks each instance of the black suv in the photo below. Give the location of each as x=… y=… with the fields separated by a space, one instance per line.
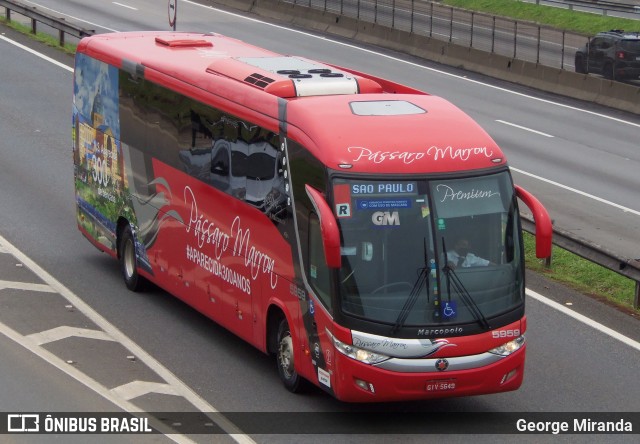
x=614 y=54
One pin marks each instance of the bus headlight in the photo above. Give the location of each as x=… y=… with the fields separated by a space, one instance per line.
x=508 y=347
x=357 y=353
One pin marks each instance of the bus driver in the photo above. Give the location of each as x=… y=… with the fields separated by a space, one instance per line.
x=461 y=256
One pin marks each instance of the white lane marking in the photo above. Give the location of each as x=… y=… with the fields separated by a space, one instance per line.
x=27 y=286
x=125 y=6
x=180 y=387
x=585 y=320
x=36 y=53
x=85 y=380
x=524 y=128
x=406 y=62
x=64 y=332
x=135 y=389
x=582 y=193
x=78 y=19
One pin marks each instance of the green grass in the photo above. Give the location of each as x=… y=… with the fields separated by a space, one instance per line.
x=579 y=22
x=39 y=36
x=581 y=274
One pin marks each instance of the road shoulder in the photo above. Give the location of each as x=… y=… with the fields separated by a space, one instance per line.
x=623 y=321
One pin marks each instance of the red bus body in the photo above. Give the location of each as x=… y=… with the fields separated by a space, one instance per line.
x=221 y=172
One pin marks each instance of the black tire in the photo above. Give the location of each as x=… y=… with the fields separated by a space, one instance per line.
x=579 y=63
x=285 y=359
x=129 y=263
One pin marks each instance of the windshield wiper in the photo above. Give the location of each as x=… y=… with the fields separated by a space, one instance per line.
x=423 y=278
x=454 y=280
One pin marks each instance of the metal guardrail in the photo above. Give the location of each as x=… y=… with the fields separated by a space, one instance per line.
x=629 y=268
x=517 y=39
x=39 y=16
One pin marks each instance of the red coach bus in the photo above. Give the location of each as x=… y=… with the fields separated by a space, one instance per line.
x=365 y=233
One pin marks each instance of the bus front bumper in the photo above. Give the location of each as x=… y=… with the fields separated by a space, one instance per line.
x=427 y=378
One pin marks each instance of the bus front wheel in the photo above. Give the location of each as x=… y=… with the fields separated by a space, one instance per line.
x=128 y=261
x=285 y=359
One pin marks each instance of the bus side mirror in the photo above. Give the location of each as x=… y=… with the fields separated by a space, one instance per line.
x=328 y=228
x=544 y=228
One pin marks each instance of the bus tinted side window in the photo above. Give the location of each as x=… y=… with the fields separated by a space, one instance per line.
x=232 y=155
x=228 y=153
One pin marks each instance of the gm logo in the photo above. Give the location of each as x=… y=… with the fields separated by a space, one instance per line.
x=385 y=218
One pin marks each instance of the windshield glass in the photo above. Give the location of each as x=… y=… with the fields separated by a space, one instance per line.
x=426 y=252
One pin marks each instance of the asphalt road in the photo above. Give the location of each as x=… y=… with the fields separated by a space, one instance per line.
x=571 y=366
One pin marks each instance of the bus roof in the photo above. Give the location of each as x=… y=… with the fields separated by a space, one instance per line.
x=348 y=119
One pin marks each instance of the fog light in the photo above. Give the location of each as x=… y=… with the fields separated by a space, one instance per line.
x=366 y=386
x=508 y=376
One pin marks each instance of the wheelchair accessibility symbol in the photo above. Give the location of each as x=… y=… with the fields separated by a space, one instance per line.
x=449 y=309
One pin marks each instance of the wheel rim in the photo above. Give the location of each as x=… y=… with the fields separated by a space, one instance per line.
x=285 y=355
x=129 y=258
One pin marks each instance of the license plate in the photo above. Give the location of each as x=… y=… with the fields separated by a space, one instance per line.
x=637 y=57
x=440 y=385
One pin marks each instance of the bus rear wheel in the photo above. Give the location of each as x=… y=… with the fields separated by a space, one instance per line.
x=285 y=358
x=129 y=261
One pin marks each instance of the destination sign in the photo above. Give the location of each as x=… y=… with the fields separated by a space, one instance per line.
x=378 y=188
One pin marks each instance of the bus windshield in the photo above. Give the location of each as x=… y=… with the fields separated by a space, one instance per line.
x=427 y=252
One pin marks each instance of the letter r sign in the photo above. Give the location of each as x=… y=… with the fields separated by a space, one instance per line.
x=343 y=210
